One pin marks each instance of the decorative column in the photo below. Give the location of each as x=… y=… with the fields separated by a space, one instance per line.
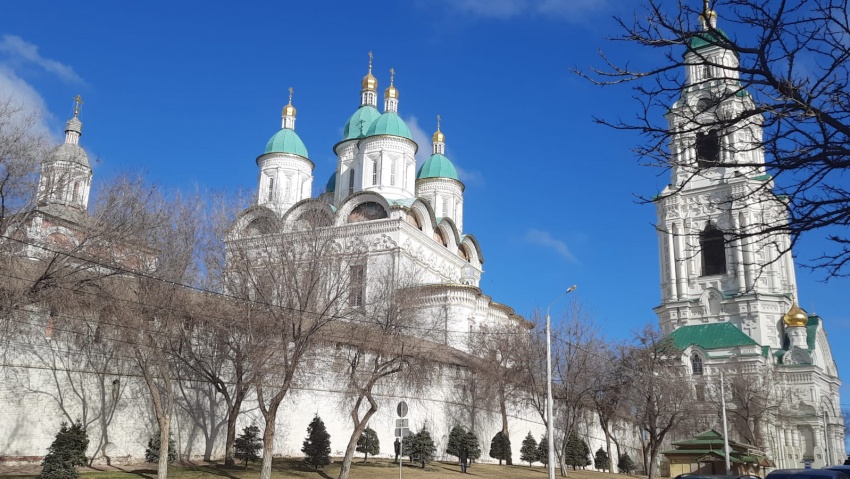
x=674 y=294
x=739 y=254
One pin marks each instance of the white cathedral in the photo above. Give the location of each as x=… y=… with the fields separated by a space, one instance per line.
x=733 y=306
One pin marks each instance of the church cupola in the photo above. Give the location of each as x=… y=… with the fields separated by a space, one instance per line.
x=288 y=115
x=66 y=173
x=438 y=141
x=391 y=95
x=795 y=326
x=369 y=88
x=286 y=172
x=438 y=182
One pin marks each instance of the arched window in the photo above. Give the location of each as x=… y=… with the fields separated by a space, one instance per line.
x=392 y=173
x=367 y=211
x=271 y=189
x=351 y=182
x=374 y=172
x=708 y=149
x=713 y=249
x=706 y=71
x=696 y=365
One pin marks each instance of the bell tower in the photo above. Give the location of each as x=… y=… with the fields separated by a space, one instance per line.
x=719 y=191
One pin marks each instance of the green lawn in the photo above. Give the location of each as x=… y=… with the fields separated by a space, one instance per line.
x=374 y=469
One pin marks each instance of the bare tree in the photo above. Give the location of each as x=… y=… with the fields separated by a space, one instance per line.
x=609 y=393
x=294 y=282
x=389 y=343
x=575 y=345
x=503 y=373
x=787 y=74
x=657 y=399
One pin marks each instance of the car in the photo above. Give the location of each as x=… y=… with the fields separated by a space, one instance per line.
x=845 y=469
x=693 y=475
x=807 y=474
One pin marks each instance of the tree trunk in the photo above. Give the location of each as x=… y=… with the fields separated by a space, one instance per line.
x=232 y=416
x=504 y=410
x=268 y=440
x=164 y=435
x=608 y=451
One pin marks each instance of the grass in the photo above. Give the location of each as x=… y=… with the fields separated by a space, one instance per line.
x=374 y=469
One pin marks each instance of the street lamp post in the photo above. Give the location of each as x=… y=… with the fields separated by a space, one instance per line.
x=725 y=427
x=549 y=434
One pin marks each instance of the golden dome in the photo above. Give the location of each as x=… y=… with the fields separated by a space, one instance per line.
x=369 y=82
x=795 y=317
x=289 y=110
x=391 y=91
x=438 y=137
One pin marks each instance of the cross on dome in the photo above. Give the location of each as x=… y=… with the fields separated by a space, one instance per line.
x=78 y=102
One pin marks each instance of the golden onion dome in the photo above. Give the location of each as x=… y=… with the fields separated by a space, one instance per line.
x=369 y=81
x=438 y=137
x=795 y=317
x=391 y=91
x=289 y=110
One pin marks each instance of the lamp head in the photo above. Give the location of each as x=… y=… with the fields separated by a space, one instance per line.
x=571 y=289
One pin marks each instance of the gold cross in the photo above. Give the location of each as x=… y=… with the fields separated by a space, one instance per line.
x=77 y=102
x=438 y=122
x=290 y=95
x=392 y=75
x=370 y=62
x=705 y=6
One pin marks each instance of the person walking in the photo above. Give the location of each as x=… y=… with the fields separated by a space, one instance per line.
x=464 y=458
x=397 y=447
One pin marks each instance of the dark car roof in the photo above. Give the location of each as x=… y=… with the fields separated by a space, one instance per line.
x=715 y=476
x=806 y=474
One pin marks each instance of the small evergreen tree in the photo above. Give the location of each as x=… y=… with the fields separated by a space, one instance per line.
x=456 y=439
x=248 y=444
x=368 y=443
x=66 y=453
x=577 y=453
x=500 y=447
x=419 y=447
x=152 y=451
x=601 y=461
x=625 y=464
x=317 y=445
x=473 y=448
x=543 y=450
x=528 y=452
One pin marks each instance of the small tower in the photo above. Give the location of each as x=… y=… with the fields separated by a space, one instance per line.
x=437 y=182
x=796 y=321
x=369 y=88
x=286 y=172
x=391 y=95
x=66 y=173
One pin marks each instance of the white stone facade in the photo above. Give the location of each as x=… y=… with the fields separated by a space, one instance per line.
x=719 y=186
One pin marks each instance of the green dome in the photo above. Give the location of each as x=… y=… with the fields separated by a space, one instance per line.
x=359 y=123
x=438 y=166
x=286 y=141
x=331 y=186
x=389 y=124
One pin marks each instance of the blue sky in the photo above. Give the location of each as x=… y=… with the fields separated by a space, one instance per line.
x=191 y=92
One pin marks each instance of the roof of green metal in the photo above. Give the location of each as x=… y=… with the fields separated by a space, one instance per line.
x=705 y=39
x=389 y=124
x=286 y=141
x=762 y=177
x=331 y=186
x=438 y=166
x=359 y=123
x=711 y=336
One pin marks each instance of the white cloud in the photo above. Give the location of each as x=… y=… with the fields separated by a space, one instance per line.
x=25 y=98
x=423 y=139
x=544 y=238
x=574 y=10
x=23 y=51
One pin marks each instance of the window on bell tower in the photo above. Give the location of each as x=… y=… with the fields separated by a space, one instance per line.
x=713 y=251
x=696 y=365
x=271 y=189
x=708 y=149
x=351 y=182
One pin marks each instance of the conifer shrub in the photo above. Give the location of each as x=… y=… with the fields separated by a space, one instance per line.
x=577 y=453
x=601 y=460
x=66 y=453
x=152 y=451
x=248 y=444
x=317 y=444
x=500 y=447
x=368 y=443
x=543 y=449
x=529 y=452
x=419 y=447
x=625 y=465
